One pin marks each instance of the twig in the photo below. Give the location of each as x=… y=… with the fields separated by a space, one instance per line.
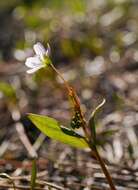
x=19 y=187
x=38 y=182
x=9 y=178
x=15 y=113
x=39 y=141
x=20 y=130
x=3 y=147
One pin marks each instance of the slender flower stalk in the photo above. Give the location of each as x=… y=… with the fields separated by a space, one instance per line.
x=60 y=75
x=75 y=101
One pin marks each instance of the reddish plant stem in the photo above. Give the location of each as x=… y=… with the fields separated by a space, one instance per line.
x=94 y=151
x=104 y=169
x=76 y=103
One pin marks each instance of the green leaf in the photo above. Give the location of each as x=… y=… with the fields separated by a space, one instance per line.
x=8 y=91
x=33 y=174
x=92 y=122
x=54 y=130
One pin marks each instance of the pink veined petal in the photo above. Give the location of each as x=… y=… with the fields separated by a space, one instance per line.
x=33 y=62
x=39 y=49
x=30 y=71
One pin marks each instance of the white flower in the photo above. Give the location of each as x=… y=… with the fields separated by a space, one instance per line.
x=38 y=61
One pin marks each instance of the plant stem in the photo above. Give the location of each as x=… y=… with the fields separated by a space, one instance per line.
x=104 y=169
x=59 y=74
x=85 y=129
x=76 y=101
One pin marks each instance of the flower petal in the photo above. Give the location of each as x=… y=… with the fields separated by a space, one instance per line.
x=30 y=71
x=39 y=49
x=48 y=51
x=33 y=62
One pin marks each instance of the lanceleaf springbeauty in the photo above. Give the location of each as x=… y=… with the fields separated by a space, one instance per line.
x=39 y=60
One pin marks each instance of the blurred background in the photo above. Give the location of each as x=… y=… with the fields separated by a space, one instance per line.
x=94 y=45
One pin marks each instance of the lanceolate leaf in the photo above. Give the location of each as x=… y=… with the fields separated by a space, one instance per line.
x=54 y=130
x=92 y=121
